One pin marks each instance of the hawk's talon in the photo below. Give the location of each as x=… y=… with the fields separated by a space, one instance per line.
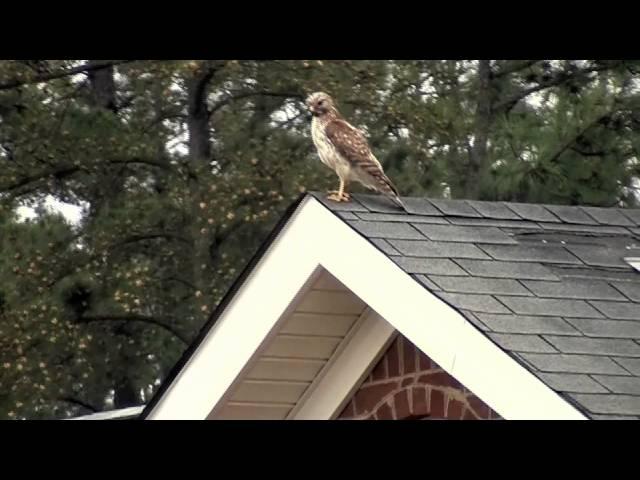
x=345 y=197
x=336 y=194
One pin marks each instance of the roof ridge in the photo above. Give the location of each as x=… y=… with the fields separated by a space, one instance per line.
x=585 y=215
x=316 y=194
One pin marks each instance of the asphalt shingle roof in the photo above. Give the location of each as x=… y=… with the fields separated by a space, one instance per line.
x=547 y=283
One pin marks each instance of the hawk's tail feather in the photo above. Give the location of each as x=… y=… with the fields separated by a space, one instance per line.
x=397 y=201
x=391 y=191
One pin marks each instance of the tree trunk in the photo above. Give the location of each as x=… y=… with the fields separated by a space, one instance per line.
x=478 y=161
x=103 y=87
x=126 y=394
x=102 y=97
x=198 y=116
x=200 y=155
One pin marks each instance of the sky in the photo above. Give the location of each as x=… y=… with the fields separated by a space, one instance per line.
x=72 y=213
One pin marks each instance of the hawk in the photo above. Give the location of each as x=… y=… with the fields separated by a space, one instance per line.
x=344 y=149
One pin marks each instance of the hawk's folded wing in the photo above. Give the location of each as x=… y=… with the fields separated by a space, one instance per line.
x=352 y=145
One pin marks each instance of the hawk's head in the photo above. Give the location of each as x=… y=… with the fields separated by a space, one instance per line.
x=320 y=104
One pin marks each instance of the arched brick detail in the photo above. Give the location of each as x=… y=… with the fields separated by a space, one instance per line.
x=406 y=384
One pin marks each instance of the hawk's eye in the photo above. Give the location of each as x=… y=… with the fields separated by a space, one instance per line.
x=320 y=103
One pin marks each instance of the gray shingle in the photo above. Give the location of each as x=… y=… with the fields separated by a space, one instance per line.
x=526 y=253
x=558 y=362
x=493 y=210
x=347 y=215
x=386 y=229
x=570 y=382
x=607 y=216
x=384 y=246
x=591 y=273
x=473 y=318
x=424 y=280
x=617 y=404
x=552 y=307
x=613 y=417
x=458 y=208
x=425 y=248
x=607 y=328
x=454 y=233
x=591 y=229
x=543 y=238
x=571 y=214
x=630 y=289
x=522 y=343
x=523 y=361
x=436 y=266
x=376 y=203
x=391 y=217
x=532 y=212
x=573 y=288
x=475 y=303
x=630 y=364
x=632 y=214
x=483 y=222
x=599 y=256
x=352 y=206
x=584 y=337
x=595 y=346
x=502 y=286
x=620 y=384
x=420 y=206
x=618 y=310
x=518 y=270
x=527 y=324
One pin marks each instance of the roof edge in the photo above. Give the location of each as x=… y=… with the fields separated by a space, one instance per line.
x=228 y=296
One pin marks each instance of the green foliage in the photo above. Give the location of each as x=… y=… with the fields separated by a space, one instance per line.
x=93 y=314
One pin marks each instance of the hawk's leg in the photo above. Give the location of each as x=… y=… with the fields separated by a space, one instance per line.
x=340 y=195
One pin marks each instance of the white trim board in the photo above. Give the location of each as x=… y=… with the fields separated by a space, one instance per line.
x=333 y=387
x=314 y=237
x=129 y=412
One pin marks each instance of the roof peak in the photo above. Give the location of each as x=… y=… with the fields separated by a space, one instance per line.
x=494 y=210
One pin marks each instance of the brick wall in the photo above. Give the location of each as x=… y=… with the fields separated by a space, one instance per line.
x=406 y=384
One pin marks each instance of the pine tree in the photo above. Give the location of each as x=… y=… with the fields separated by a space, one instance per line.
x=181 y=168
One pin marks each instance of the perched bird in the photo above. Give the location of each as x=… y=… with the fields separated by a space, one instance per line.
x=344 y=149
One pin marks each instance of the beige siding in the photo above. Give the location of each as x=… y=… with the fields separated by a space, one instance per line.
x=270 y=391
x=285 y=369
x=305 y=344
x=254 y=411
x=300 y=346
x=331 y=325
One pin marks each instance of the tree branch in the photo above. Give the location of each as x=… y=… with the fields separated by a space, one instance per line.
x=239 y=96
x=599 y=153
x=59 y=172
x=575 y=137
x=560 y=78
x=517 y=67
x=45 y=77
x=66 y=171
x=182 y=281
x=145 y=161
x=75 y=401
x=136 y=318
x=151 y=236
